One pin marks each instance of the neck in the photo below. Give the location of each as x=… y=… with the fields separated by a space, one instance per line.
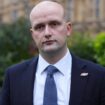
x=54 y=57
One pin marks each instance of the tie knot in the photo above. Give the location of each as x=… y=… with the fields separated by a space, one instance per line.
x=51 y=70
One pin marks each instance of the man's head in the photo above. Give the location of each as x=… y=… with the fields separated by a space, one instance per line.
x=49 y=27
x=46 y=7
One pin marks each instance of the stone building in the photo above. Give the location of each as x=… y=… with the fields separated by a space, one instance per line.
x=11 y=10
x=87 y=14
x=82 y=13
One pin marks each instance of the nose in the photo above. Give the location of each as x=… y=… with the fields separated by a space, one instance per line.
x=47 y=32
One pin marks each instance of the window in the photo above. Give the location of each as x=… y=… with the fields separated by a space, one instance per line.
x=97 y=8
x=14 y=15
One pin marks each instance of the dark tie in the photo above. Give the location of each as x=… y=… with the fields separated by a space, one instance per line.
x=50 y=92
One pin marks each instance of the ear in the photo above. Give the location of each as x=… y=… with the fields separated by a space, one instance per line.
x=69 y=28
x=31 y=30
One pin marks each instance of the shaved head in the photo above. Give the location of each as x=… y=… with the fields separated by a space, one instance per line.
x=49 y=29
x=46 y=5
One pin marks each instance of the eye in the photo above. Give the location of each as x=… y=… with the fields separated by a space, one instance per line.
x=54 y=23
x=39 y=27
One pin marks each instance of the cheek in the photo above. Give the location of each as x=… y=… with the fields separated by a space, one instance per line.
x=36 y=38
x=61 y=38
x=62 y=30
x=62 y=35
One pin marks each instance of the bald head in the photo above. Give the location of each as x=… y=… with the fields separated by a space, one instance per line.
x=44 y=7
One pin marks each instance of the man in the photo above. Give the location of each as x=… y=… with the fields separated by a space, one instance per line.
x=76 y=81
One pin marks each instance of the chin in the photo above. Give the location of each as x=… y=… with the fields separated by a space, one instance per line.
x=50 y=50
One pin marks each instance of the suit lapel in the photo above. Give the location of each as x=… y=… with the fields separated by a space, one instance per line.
x=28 y=83
x=78 y=82
x=79 y=78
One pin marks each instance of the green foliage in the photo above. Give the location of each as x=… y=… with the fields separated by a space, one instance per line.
x=14 y=44
x=82 y=45
x=99 y=47
x=88 y=46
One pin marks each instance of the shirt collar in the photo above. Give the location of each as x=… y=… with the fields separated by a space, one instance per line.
x=63 y=65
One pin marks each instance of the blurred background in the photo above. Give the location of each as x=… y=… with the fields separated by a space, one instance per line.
x=87 y=39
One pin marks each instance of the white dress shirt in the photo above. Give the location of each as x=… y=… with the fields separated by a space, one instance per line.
x=62 y=80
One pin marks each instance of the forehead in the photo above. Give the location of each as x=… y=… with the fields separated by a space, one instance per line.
x=47 y=17
x=47 y=10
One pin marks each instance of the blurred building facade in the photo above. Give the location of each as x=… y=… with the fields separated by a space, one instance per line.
x=82 y=13
x=87 y=14
x=11 y=10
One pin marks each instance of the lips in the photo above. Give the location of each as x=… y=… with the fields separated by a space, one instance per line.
x=49 y=42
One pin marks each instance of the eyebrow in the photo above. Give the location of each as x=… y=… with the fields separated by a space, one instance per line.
x=38 y=24
x=51 y=21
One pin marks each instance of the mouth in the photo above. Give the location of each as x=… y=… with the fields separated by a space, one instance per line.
x=49 y=42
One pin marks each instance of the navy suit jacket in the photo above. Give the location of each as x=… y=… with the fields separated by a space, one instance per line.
x=87 y=83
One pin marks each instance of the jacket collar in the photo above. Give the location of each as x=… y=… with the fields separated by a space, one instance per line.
x=79 y=78
x=29 y=77
x=78 y=82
